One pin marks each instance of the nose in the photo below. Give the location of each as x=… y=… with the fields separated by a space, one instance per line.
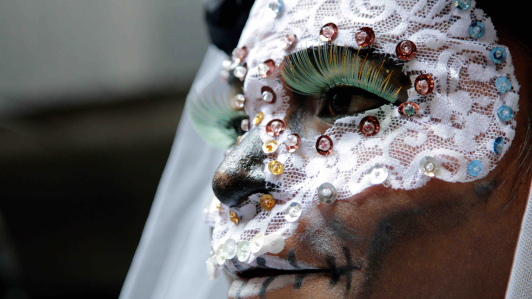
x=241 y=172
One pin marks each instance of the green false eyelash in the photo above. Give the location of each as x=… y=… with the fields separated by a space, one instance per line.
x=329 y=66
x=214 y=119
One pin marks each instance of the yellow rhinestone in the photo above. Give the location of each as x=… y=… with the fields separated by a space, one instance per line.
x=270 y=146
x=219 y=206
x=267 y=202
x=275 y=167
x=258 y=119
x=238 y=140
x=233 y=217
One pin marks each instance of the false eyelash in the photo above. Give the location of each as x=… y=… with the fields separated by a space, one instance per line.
x=214 y=119
x=336 y=66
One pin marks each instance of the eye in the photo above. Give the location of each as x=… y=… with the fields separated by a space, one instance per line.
x=348 y=100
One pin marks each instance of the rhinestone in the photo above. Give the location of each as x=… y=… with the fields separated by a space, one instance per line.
x=275 y=127
x=474 y=168
x=377 y=174
x=239 y=54
x=267 y=202
x=224 y=75
x=424 y=84
x=289 y=40
x=212 y=270
x=406 y=50
x=227 y=65
x=230 y=248
x=257 y=243
x=240 y=100
x=503 y=84
x=498 y=145
x=274 y=243
x=476 y=30
x=244 y=125
x=220 y=256
x=498 y=55
x=505 y=113
x=365 y=36
x=328 y=32
x=275 y=7
x=219 y=206
x=324 y=145
x=243 y=251
x=266 y=68
x=429 y=166
x=240 y=72
x=462 y=4
x=268 y=95
x=233 y=217
x=258 y=119
x=327 y=193
x=293 y=211
x=292 y=142
x=408 y=109
x=275 y=167
x=270 y=146
x=369 y=126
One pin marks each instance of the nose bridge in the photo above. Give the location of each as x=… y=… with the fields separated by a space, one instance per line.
x=241 y=172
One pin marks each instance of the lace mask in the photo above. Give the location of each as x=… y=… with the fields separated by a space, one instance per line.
x=455 y=121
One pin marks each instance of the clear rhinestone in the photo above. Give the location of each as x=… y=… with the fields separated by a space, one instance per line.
x=263 y=69
x=291 y=140
x=240 y=100
x=289 y=40
x=275 y=6
x=243 y=251
x=244 y=125
x=422 y=86
x=377 y=174
x=324 y=144
x=293 y=211
x=327 y=193
x=328 y=31
x=240 y=72
x=429 y=166
x=361 y=37
x=267 y=96
x=368 y=128
x=257 y=243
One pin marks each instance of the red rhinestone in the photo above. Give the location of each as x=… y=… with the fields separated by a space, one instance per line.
x=369 y=126
x=268 y=89
x=406 y=50
x=411 y=109
x=424 y=84
x=293 y=142
x=365 y=36
x=275 y=127
x=328 y=32
x=324 y=145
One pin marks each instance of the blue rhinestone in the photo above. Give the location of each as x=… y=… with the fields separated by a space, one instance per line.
x=474 y=168
x=498 y=145
x=503 y=84
x=505 y=113
x=462 y=4
x=476 y=30
x=498 y=55
x=275 y=6
x=409 y=110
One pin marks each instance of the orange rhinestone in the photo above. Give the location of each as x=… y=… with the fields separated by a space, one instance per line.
x=258 y=119
x=233 y=217
x=267 y=202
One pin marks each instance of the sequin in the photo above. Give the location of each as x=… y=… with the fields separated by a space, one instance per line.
x=293 y=212
x=429 y=166
x=267 y=202
x=275 y=7
x=369 y=126
x=505 y=113
x=257 y=243
x=327 y=193
x=212 y=270
x=289 y=40
x=365 y=36
x=408 y=109
x=324 y=145
x=503 y=84
x=474 y=168
x=498 y=145
x=292 y=142
x=268 y=95
x=220 y=255
x=266 y=68
x=240 y=72
x=328 y=32
x=258 y=118
x=424 y=84
x=477 y=30
x=275 y=167
x=233 y=217
x=462 y=4
x=498 y=55
x=243 y=251
x=275 y=127
x=270 y=146
x=406 y=50
x=377 y=174
x=244 y=125
x=230 y=248
x=274 y=243
x=240 y=101
x=239 y=54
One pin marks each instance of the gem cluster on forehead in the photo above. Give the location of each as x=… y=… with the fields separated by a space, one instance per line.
x=369 y=126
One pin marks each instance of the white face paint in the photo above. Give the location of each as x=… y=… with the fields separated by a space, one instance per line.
x=457 y=123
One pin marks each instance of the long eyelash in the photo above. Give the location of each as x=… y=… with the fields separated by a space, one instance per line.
x=213 y=118
x=336 y=66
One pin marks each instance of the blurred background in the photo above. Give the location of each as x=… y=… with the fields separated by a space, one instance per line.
x=91 y=93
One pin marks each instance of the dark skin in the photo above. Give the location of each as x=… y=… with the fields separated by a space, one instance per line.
x=444 y=240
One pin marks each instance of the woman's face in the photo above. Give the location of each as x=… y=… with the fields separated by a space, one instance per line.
x=407 y=236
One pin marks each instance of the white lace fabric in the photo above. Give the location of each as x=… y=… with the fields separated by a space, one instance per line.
x=457 y=122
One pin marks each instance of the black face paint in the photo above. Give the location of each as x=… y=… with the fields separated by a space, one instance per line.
x=264 y=286
x=291 y=257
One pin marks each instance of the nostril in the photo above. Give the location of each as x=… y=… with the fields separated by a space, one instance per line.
x=241 y=173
